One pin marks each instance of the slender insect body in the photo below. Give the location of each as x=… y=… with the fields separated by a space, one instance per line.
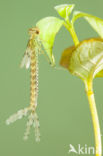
x=34 y=80
x=30 y=59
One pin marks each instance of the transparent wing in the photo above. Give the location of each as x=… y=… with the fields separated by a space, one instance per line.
x=26 y=59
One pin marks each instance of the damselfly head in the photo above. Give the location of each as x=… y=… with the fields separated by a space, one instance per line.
x=34 y=30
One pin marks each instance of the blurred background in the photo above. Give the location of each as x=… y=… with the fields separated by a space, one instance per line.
x=63 y=108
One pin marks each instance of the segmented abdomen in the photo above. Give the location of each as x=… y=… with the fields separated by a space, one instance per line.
x=34 y=80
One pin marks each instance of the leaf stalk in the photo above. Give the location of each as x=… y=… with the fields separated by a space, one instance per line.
x=69 y=26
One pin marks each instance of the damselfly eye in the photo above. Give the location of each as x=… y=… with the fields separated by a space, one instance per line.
x=37 y=31
x=34 y=31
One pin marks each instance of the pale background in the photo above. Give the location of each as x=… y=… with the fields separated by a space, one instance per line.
x=62 y=105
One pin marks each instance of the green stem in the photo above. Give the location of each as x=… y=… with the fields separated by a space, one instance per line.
x=92 y=104
x=69 y=26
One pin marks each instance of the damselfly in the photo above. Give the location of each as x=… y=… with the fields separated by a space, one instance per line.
x=30 y=60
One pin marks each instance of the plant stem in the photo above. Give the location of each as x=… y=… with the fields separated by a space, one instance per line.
x=69 y=26
x=74 y=36
x=92 y=104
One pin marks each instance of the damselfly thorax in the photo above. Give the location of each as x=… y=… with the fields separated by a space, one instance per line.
x=33 y=46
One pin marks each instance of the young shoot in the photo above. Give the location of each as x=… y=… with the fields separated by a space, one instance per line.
x=84 y=59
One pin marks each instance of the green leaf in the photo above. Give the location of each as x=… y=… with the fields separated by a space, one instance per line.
x=85 y=60
x=49 y=27
x=95 y=22
x=64 y=10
